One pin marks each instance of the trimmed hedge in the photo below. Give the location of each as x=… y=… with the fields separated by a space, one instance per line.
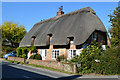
x=22 y=52
x=60 y=58
x=36 y=56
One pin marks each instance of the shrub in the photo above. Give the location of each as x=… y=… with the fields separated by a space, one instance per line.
x=22 y=52
x=75 y=59
x=36 y=56
x=61 y=58
x=24 y=56
x=110 y=62
x=87 y=58
x=8 y=49
x=19 y=52
x=33 y=49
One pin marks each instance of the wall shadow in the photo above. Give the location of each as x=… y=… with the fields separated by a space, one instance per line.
x=12 y=73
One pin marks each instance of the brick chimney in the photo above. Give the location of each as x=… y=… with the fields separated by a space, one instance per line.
x=60 y=12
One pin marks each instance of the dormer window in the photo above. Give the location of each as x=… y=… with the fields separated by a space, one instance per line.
x=94 y=36
x=33 y=39
x=71 y=40
x=49 y=38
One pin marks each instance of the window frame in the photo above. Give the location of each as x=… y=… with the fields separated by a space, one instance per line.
x=45 y=53
x=95 y=36
x=72 y=53
x=55 y=53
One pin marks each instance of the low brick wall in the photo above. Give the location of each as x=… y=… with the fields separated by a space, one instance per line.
x=57 y=65
x=16 y=59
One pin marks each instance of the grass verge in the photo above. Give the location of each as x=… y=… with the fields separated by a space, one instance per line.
x=49 y=68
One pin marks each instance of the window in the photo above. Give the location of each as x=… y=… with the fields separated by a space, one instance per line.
x=49 y=38
x=85 y=45
x=33 y=39
x=45 y=53
x=71 y=40
x=55 y=53
x=94 y=36
x=72 y=53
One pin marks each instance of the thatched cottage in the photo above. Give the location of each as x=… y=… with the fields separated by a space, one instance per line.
x=66 y=34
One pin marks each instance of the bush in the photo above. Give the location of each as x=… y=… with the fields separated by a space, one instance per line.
x=87 y=58
x=22 y=52
x=33 y=49
x=19 y=52
x=75 y=59
x=7 y=49
x=110 y=62
x=24 y=56
x=36 y=56
x=61 y=58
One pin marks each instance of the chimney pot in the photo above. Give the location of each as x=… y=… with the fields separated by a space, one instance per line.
x=60 y=12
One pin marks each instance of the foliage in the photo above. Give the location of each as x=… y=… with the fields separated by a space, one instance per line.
x=61 y=58
x=110 y=62
x=33 y=49
x=19 y=52
x=115 y=27
x=24 y=56
x=89 y=55
x=87 y=58
x=12 y=31
x=36 y=56
x=75 y=59
x=22 y=52
x=7 y=49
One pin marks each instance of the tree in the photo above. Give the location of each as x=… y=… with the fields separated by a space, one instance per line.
x=13 y=31
x=115 y=27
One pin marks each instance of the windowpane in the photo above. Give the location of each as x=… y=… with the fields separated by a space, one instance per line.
x=74 y=52
x=55 y=53
x=45 y=53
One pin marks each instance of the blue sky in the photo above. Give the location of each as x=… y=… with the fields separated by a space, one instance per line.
x=29 y=13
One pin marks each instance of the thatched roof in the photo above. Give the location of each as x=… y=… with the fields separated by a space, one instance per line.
x=79 y=24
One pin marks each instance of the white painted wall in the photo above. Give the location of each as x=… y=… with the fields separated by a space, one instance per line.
x=70 y=55
x=42 y=53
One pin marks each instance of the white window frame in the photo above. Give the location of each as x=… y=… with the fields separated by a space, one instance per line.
x=45 y=53
x=72 y=53
x=55 y=53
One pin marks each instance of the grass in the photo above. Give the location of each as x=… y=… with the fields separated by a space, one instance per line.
x=49 y=68
x=17 y=62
